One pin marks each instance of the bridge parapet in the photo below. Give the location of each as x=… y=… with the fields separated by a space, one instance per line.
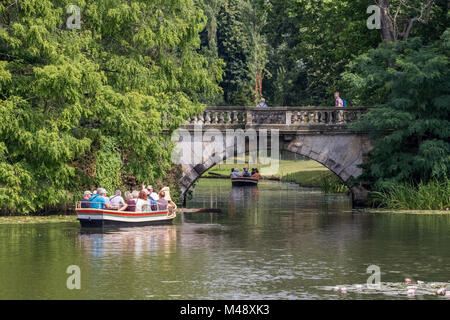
x=284 y=117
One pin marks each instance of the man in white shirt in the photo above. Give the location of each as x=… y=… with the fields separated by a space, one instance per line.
x=116 y=201
x=235 y=173
x=262 y=104
x=152 y=194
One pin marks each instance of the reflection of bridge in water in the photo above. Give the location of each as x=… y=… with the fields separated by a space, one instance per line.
x=318 y=133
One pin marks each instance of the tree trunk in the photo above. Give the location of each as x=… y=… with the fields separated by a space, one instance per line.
x=390 y=25
x=387 y=27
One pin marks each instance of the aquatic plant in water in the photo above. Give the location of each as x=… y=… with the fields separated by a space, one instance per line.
x=395 y=289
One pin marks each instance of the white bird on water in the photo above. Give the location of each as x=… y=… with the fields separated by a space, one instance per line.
x=411 y=292
x=441 y=292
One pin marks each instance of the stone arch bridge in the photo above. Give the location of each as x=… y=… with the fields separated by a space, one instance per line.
x=318 y=133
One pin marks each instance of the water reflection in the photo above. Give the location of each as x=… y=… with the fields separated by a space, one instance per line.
x=276 y=241
x=129 y=240
x=240 y=197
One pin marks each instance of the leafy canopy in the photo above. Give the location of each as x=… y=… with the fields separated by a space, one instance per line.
x=85 y=107
x=409 y=84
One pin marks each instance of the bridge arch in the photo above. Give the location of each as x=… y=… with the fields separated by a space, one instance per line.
x=319 y=134
x=342 y=154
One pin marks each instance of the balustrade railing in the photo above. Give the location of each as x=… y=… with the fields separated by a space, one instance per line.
x=216 y=116
x=292 y=116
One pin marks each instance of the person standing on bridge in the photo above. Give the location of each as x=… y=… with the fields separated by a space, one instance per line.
x=262 y=104
x=339 y=101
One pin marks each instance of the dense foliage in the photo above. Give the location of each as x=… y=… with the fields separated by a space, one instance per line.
x=432 y=195
x=85 y=107
x=318 y=39
x=298 y=47
x=234 y=33
x=409 y=84
x=301 y=47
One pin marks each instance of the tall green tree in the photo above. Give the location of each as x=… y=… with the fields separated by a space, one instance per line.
x=287 y=82
x=408 y=83
x=313 y=41
x=255 y=13
x=209 y=43
x=88 y=106
x=234 y=49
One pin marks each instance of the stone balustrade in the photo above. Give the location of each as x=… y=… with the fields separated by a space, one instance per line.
x=286 y=116
x=221 y=116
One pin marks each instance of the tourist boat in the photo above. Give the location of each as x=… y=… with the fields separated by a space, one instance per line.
x=244 y=181
x=104 y=217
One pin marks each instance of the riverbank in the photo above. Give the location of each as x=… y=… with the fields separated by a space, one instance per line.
x=37 y=219
x=396 y=211
x=433 y=195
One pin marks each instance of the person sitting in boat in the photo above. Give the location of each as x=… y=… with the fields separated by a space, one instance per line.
x=256 y=174
x=85 y=203
x=152 y=194
x=142 y=203
x=235 y=173
x=99 y=200
x=116 y=201
x=245 y=173
x=162 y=202
x=171 y=205
x=135 y=195
x=153 y=200
x=130 y=204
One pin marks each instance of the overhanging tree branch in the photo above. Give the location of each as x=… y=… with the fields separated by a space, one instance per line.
x=396 y=15
x=424 y=20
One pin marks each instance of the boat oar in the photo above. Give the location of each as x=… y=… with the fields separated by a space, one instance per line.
x=203 y=210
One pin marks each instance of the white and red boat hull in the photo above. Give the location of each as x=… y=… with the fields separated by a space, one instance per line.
x=104 y=217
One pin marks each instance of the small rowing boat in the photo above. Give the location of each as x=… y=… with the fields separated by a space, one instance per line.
x=244 y=181
x=104 y=217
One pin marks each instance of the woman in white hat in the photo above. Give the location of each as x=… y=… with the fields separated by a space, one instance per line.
x=165 y=194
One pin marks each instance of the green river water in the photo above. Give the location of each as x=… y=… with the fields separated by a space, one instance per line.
x=277 y=241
